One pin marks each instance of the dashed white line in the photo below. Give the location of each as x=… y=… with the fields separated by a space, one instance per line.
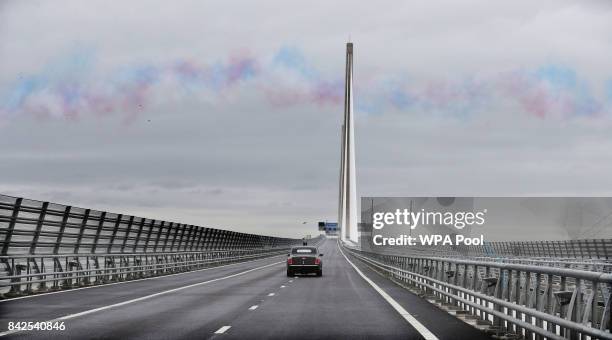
x=290 y=281
x=253 y=307
x=426 y=333
x=223 y=329
x=72 y=316
x=283 y=286
x=271 y=294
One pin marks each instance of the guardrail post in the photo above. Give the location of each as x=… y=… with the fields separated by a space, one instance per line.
x=16 y=283
x=140 y=226
x=41 y=286
x=506 y=294
x=98 y=232
x=118 y=219
x=160 y=230
x=207 y=240
x=81 y=231
x=28 y=289
x=578 y=306
x=191 y=237
x=127 y=233
x=175 y=227
x=473 y=283
x=182 y=228
x=11 y=226
x=199 y=245
x=538 y=301
x=497 y=293
x=606 y=315
x=550 y=302
x=86 y=280
x=166 y=240
x=150 y=227
x=15 y=289
x=39 y=224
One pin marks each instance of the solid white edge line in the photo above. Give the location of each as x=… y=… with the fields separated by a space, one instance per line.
x=146 y=297
x=223 y=329
x=253 y=307
x=146 y=278
x=426 y=333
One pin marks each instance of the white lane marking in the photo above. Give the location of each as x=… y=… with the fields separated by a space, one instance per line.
x=283 y=286
x=290 y=281
x=72 y=316
x=253 y=307
x=223 y=329
x=426 y=333
x=146 y=278
x=271 y=294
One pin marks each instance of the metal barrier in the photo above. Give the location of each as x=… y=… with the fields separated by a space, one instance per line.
x=584 y=249
x=530 y=301
x=34 y=227
x=53 y=246
x=591 y=255
x=38 y=274
x=596 y=265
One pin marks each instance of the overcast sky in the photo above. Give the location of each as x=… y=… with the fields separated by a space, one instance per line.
x=228 y=115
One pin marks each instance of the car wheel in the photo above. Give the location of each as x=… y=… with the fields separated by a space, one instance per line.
x=320 y=272
x=289 y=272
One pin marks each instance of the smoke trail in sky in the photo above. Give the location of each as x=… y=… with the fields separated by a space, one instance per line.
x=551 y=90
x=609 y=91
x=72 y=86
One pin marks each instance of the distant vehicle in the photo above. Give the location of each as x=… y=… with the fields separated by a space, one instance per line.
x=304 y=260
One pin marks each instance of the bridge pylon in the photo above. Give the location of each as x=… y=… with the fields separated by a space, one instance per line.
x=347 y=207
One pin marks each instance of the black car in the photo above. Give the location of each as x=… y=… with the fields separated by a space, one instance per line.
x=304 y=260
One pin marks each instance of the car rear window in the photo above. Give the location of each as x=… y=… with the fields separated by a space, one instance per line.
x=303 y=251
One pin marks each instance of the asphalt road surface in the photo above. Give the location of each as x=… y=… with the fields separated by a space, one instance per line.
x=241 y=301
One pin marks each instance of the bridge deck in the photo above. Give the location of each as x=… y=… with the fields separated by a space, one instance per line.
x=341 y=304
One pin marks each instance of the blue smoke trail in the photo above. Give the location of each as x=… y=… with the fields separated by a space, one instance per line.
x=71 y=83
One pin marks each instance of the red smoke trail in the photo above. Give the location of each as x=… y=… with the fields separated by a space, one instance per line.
x=287 y=79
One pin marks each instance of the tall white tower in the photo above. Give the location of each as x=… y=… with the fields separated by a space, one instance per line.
x=347 y=207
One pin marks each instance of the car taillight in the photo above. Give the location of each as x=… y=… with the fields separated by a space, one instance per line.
x=317 y=261
x=289 y=261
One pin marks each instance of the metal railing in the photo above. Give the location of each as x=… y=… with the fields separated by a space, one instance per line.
x=597 y=265
x=53 y=246
x=530 y=301
x=38 y=274
x=583 y=248
x=587 y=254
x=35 y=227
